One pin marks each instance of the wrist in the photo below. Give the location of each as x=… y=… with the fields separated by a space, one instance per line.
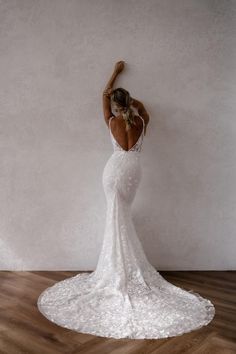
x=115 y=73
x=106 y=94
x=108 y=91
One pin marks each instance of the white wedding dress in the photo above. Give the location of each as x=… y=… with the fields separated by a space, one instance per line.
x=125 y=296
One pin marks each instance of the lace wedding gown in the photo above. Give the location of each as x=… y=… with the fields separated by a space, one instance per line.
x=125 y=297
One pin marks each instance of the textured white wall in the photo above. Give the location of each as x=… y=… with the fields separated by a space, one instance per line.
x=56 y=57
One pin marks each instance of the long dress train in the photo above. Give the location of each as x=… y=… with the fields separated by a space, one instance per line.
x=125 y=296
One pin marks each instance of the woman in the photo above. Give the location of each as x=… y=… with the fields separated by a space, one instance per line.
x=125 y=297
x=123 y=104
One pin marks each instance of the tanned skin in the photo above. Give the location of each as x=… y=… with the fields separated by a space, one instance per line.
x=126 y=139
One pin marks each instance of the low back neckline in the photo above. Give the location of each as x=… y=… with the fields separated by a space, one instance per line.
x=132 y=147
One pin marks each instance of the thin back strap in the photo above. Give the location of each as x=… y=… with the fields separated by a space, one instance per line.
x=110 y=121
x=143 y=124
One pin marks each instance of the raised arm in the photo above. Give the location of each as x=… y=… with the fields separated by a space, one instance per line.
x=141 y=111
x=119 y=66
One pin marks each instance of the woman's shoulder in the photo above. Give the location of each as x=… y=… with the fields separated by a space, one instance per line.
x=140 y=119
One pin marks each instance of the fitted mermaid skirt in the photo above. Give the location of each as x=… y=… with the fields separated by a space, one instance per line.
x=125 y=296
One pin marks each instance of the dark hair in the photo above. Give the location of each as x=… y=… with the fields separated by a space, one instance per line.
x=122 y=98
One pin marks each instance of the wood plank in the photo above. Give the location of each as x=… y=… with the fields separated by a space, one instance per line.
x=24 y=330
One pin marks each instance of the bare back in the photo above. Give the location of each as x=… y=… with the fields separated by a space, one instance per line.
x=126 y=139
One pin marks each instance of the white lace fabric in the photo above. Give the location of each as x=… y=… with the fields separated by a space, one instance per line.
x=125 y=296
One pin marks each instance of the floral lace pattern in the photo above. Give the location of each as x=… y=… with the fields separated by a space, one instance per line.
x=125 y=296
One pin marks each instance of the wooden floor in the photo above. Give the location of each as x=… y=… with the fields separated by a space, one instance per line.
x=23 y=329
